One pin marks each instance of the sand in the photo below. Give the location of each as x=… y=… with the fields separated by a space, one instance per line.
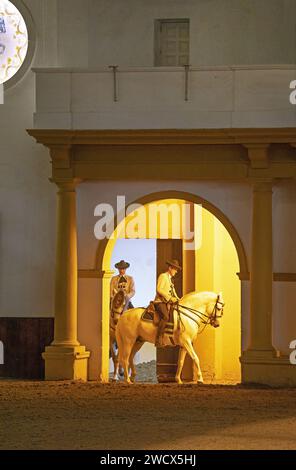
x=74 y=415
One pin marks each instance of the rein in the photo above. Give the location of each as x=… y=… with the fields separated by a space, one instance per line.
x=204 y=318
x=199 y=314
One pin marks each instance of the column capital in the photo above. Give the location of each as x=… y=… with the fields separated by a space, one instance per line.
x=262 y=184
x=66 y=184
x=256 y=145
x=258 y=154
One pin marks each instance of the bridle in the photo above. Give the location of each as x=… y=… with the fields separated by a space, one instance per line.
x=203 y=317
x=216 y=309
x=117 y=302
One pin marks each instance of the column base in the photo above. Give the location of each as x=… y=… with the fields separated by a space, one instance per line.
x=267 y=367
x=66 y=362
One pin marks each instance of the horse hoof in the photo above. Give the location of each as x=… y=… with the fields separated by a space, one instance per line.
x=179 y=381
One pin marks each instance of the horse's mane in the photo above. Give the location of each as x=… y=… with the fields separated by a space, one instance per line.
x=198 y=294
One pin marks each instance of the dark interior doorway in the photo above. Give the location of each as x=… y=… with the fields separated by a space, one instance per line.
x=167 y=358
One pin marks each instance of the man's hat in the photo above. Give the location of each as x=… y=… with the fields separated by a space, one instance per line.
x=122 y=265
x=174 y=263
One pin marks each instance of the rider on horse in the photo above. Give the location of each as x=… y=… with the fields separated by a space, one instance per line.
x=123 y=282
x=166 y=297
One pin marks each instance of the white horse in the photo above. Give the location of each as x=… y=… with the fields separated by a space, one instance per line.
x=194 y=309
x=116 y=309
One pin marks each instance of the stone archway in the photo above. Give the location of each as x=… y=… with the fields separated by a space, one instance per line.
x=103 y=255
x=105 y=249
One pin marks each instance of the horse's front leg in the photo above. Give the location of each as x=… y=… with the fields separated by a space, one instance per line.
x=181 y=359
x=137 y=346
x=116 y=367
x=197 y=374
x=132 y=369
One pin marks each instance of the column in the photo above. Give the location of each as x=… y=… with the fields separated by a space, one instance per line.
x=65 y=333
x=104 y=333
x=66 y=358
x=261 y=273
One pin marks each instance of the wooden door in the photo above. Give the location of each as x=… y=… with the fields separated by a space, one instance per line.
x=167 y=358
x=24 y=341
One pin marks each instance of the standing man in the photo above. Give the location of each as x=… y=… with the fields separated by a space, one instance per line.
x=123 y=282
x=166 y=296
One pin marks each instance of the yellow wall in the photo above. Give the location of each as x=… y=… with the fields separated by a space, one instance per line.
x=216 y=267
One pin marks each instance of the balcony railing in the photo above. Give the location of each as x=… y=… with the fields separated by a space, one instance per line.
x=162 y=97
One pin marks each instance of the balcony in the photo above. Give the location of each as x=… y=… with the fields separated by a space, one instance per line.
x=159 y=97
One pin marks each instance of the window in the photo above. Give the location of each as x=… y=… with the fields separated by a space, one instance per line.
x=172 y=42
x=13 y=40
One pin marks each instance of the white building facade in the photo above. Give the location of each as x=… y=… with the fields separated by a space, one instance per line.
x=133 y=66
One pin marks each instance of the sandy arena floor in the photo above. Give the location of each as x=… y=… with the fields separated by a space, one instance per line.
x=67 y=415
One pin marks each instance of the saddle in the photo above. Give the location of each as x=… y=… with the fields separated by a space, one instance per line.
x=150 y=314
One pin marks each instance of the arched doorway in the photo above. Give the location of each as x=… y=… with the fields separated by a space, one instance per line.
x=217 y=262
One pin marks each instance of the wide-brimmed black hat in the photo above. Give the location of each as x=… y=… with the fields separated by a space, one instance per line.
x=174 y=263
x=122 y=265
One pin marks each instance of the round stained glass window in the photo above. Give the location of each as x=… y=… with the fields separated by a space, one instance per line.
x=13 y=40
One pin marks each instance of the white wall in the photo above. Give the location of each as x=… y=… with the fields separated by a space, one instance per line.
x=284 y=260
x=222 y=32
x=27 y=201
x=284 y=227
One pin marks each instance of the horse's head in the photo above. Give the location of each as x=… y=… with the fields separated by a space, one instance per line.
x=117 y=306
x=214 y=309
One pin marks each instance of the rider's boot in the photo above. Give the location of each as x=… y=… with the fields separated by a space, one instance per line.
x=159 y=338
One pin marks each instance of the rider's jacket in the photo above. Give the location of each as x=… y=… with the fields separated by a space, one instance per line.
x=125 y=283
x=165 y=288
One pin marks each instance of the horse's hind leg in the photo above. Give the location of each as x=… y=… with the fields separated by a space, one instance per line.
x=189 y=348
x=114 y=356
x=181 y=359
x=136 y=348
x=115 y=364
x=124 y=360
